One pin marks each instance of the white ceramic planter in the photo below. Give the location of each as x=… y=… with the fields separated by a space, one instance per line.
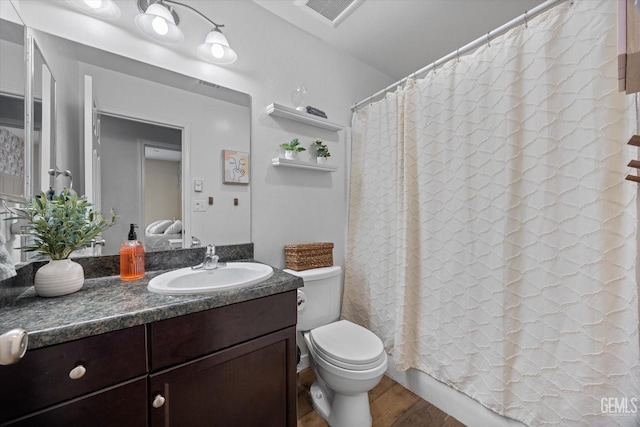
x=321 y=160
x=59 y=277
x=290 y=155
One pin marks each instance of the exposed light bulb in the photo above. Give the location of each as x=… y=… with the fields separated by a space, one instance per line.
x=217 y=51
x=94 y=4
x=103 y=9
x=160 y=26
x=216 y=48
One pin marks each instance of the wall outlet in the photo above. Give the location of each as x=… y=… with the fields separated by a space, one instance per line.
x=199 y=206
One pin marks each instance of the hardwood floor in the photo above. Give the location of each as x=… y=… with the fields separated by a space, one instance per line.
x=391 y=406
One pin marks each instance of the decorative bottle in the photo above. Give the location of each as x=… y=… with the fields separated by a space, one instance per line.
x=131 y=257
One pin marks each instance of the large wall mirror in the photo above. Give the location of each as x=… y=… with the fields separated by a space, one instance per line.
x=135 y=138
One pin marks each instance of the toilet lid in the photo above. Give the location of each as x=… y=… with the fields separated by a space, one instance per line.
x=348 y=345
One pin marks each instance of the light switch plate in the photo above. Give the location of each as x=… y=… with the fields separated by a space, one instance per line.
x=197 y=185
x=199 y=206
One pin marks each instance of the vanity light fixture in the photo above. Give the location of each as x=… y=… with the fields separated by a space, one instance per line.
x=159 y=21
x=216 y=48
x=105 y=9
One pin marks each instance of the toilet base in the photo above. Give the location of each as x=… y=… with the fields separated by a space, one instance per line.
x=321 y=399
x=340 y=410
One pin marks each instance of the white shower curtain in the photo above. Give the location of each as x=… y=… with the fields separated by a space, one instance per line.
x=492 y=236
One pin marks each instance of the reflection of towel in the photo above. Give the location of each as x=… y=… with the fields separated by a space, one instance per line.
x=7 y=269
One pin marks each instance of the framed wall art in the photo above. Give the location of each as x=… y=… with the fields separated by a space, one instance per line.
x=236 y=167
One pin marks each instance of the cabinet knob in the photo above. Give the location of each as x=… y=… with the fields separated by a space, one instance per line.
x=77 y=372
x=13 y=345
x=158 y=401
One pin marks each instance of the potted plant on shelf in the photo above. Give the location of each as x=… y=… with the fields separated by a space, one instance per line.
x=59 y=226
x=322 y=151
x=291 y=149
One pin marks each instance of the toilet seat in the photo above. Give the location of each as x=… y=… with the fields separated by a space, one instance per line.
x=348 y=346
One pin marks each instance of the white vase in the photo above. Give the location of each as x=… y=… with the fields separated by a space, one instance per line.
x=59 y=277
x=290 y=155
x=321 y=160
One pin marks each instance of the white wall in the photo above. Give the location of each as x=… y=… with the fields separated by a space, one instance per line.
x=291 y=205
x=288 y=206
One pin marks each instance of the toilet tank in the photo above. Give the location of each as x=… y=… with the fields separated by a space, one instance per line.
x=322 y=293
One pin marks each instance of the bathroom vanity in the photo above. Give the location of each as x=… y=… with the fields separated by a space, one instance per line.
x=143 y=359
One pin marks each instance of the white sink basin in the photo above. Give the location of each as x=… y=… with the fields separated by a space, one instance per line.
x=188 y=281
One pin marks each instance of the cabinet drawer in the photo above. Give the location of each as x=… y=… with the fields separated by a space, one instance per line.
x=121 y=406
x=42 y=377
x=183 y=338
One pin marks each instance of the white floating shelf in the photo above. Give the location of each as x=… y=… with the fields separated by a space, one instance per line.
x=278 y=161
x=302 y=117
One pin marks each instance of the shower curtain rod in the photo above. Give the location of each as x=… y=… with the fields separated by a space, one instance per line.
x=522 y=19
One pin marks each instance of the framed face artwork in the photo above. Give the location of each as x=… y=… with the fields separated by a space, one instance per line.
x=236 y=167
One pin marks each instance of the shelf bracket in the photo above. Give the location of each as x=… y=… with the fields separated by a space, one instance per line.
x=635 y=141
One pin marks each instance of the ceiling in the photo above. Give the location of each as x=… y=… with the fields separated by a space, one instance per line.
x=398 y=37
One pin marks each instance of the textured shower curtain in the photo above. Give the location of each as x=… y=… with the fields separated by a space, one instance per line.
x=492 y=236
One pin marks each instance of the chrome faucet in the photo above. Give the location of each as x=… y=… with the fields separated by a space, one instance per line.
x=210 y=261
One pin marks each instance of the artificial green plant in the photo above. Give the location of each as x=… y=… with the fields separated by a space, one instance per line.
x=293 y=145
x=61 y=225
x=321 y=149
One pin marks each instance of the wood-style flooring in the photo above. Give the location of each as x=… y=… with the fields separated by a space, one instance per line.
x=391 y=406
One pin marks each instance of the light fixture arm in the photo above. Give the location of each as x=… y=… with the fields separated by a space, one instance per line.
x=193 y=10
x=159 y=21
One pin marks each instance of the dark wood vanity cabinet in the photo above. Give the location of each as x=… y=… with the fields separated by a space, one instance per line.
x=230 y=366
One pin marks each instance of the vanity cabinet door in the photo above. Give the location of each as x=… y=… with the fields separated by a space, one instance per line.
x=121 y=406
x=250 y=384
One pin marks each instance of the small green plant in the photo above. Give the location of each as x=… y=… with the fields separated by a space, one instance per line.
x=294 y=145
x=321 y=149
x=61 y=225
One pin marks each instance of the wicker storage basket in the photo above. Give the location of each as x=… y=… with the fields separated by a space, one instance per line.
x=308 y=255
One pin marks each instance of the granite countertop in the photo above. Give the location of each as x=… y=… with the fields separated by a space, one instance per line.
x=107 y=304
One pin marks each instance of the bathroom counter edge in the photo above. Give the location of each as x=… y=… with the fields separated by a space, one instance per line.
x=108 y=304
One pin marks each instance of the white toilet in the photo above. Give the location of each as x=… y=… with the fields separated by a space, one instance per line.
x=347 y=359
